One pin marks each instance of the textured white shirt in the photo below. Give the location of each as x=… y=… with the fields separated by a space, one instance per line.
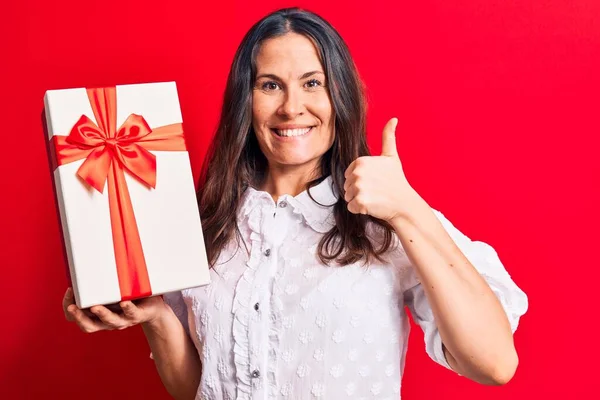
x=275 y=323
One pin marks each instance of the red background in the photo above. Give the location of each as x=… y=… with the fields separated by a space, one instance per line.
x=498 y=108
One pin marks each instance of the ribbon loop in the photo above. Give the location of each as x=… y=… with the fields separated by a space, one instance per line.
x=134 y=129
x=86 y=134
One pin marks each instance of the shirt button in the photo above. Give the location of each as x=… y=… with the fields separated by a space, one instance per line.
x=267 y=252
x=255 y=373
x=256 y=306
x=283 y=204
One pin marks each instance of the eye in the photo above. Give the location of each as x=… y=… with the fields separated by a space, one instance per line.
x=269 y=85
x=313 y=83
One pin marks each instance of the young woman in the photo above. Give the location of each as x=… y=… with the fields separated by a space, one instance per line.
x=316 y=247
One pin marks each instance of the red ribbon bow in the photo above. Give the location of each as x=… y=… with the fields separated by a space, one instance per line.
x=108 y=152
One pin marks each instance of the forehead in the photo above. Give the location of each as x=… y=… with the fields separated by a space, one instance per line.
x=289 y=54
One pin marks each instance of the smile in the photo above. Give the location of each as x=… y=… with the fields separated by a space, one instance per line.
x=292 y=132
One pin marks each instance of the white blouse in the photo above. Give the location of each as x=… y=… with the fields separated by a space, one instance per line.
x=278 y=324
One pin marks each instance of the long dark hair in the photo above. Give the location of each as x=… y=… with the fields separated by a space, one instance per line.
x=234 y=160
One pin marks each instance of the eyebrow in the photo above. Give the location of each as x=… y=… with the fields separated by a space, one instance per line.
x=303 y=76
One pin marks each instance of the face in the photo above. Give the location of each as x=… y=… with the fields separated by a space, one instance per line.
x=292 y=114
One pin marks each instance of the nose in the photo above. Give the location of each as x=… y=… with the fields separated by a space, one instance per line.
x=292 y=105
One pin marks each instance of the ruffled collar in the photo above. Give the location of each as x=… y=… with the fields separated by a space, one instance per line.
x=317 y=213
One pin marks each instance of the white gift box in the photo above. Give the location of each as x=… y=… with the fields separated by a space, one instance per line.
x=167 y=216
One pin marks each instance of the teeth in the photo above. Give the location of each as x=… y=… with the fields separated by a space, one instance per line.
x=292 y=132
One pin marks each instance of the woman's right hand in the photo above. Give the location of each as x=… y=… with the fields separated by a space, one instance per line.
x=146 y=310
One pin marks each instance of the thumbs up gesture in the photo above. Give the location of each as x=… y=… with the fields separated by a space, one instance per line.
x=377 y=185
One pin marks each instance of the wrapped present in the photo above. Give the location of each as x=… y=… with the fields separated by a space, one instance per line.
x=125 y=192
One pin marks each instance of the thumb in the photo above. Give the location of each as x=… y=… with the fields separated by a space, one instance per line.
x=388 y=142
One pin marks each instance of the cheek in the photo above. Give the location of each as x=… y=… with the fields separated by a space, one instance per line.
x=259 y=119
x=260 y=110
x=257 y=114
x=324 y=111
x=325 y=114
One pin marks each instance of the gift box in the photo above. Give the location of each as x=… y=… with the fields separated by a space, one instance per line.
x=125 y=192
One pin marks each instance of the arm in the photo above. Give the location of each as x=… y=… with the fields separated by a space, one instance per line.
x=457 y=302
x=473 y=326
x=175 y=356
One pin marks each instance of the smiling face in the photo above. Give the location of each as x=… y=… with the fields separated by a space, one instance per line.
x=292 y=114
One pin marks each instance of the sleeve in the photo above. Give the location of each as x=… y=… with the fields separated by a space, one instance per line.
x=487 y=262
x=177 y=303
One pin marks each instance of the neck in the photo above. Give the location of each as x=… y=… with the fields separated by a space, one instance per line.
x=279 y=181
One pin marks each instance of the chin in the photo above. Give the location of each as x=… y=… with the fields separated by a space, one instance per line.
x=297 y=161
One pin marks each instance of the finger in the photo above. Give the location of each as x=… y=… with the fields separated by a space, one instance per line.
x=352 y=167
x=350 y=192
x=347 y=183
x=68 y=300
x=109 y=318
x=131 y=312
x=85 y=323
x=388 y=141
x=355 y=207
x=352 y=207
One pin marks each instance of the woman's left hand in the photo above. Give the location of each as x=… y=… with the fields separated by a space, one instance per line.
x=377 y=185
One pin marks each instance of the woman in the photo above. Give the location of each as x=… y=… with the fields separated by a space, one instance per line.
x=326 y=246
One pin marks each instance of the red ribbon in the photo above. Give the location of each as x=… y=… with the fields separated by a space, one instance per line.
x=108 y=152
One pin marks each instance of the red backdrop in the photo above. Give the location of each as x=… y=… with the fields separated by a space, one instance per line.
x=498 y=108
